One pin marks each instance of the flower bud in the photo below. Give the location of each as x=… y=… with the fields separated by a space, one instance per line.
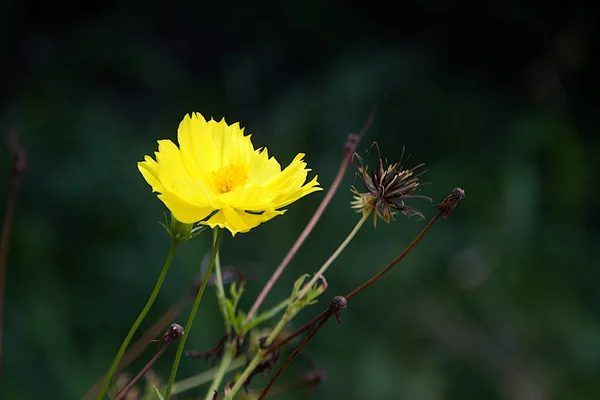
x=179 y=231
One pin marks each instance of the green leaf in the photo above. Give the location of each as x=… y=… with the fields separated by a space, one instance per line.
x=158 y=393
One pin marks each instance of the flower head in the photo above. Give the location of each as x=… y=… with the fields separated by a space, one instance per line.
x=387 y=187
x=217 y=177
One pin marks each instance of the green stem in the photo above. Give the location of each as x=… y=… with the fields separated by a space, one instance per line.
x=138 y=321
x=205 y=377
x=221 y=295
x=223 y=368
x=244 y=376
x=267 y=315
x=260 y=354
x=335 y=255
x=285 y=318
x=190 y=321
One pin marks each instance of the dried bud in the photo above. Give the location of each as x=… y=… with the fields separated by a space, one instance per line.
x=338 y=304
x=449 y=203
x=175 y=332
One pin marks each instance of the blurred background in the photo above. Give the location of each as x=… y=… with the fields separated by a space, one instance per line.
x=500 y=301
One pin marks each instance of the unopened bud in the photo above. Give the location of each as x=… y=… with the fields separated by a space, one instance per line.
x=179 y=231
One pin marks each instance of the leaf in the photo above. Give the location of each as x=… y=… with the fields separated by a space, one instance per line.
x=158 y=393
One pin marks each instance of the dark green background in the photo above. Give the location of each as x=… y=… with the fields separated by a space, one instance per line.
x=501 y=301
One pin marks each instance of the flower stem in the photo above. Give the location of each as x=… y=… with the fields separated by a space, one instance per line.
x=190 y=321
x=221 y=293
x=292 y=356
x=131 y=384
x=206 y=376
x=139 y=320
x=349 y=149
x=260 y=354
x=335 y=255
x=444 y=210
x=226 y=360
x=134 y=351
x=19 y=165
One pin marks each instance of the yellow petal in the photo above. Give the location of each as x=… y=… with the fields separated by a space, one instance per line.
x=149 y=170
x=293 y=176
x=237 y=221
x=232 y=147
x=197 y=146
x=289 y=197
x=250 y=197
x=170 y=164
x=262 y=168
x=184 y=211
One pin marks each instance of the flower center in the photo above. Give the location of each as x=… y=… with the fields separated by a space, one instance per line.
x=229 y=177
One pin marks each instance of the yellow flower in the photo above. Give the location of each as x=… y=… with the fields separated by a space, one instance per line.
x=217 y=173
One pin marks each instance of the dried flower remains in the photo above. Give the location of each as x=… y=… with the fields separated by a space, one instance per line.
x=387 y=187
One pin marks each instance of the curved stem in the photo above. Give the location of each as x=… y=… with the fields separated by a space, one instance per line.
x=292 y=356
x=131 y=384
x=205 y=377
x=349 y=149
x=335 y=255
x=396 y=260
x=226 y=360
x=190 y=321
x=260 y=354
x=138 y=321
x=221 y=294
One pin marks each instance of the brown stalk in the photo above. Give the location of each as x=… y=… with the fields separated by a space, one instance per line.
x=444 y=210
x=131 y=384
x=292 y=356
x=19 y=165
x=308 y=380
x=174 y=333
x=349 y=150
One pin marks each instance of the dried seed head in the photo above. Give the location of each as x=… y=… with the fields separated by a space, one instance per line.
x=388 y=186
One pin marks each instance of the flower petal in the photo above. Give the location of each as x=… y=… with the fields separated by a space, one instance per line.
x=262 y=168
x=289 y=197
x=250 y=197
x=184 y=211
x=237 y=221
x=232 y=147
x=288 y=185
x=198 y=146
x=149 y=170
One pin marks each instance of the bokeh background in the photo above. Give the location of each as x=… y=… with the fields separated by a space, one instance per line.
x=500 y=301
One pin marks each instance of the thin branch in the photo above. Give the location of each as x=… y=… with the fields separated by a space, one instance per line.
x=396 y=260
x=292 y=356
x=339 y=303
x=308 y=380
x=131 y=384
x=140 y=345
x=19 y=165
x=349 y=150
x=174 y=333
